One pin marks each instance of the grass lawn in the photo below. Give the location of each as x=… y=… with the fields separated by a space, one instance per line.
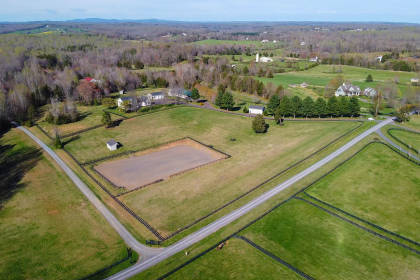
x=167 y=205
x=48 y=229
x=326 y=247
x=377 y=185
x=237 y=260
x=90 y=116
x=409 y=138
x=414 y=122
x=322 y=74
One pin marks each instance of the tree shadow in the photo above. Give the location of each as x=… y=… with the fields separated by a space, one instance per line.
x=71 y=139
x=15 y=162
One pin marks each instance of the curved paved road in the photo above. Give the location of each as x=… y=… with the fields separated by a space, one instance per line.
x=225 y=220
x=145 y=252
x=389 y=141
x=153 y=256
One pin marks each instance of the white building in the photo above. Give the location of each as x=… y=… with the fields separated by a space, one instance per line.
x=256 y=110
x=347 y=89
x=314 y=59
x=264 y=41
x=415 y=81
x=112 y=145
x=263 y=59
x=369 y=92
x=132 y=101
x=302 y=43
x=156 y=96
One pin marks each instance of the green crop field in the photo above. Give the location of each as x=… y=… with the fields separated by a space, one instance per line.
x=326 y=247
x=48 y=229
x=237 y=260
x=377 y=185
x=167 y=205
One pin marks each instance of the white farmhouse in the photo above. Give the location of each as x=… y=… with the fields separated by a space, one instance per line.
x=263 y=59
x=112 y=145
x=156 y=96
x=132 y=101
x=256 y=110
x=347 y=89
x=371 y=92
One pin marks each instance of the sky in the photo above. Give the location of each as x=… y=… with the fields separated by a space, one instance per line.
x=213 y=10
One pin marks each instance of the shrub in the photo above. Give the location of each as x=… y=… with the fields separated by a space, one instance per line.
x=245 y=110
x=259 y=125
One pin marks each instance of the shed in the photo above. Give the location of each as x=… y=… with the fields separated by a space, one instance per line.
x=256 y=110
x=112 y=145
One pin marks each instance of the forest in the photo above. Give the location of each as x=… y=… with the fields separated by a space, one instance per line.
x=49 y=63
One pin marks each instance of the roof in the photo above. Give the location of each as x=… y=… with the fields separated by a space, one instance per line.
x=157 y=93
x=112 y=142
x=88 y=79
x=125 y=98
x=187 y=92
x=349 y=87
x=256 y=107
x=143 y=98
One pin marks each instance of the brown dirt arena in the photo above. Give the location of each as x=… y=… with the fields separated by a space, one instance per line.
x=158 y=164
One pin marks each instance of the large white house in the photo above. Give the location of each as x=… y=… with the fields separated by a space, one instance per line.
x=371 y=92
x=347 y=89
x=256 y=110
x=156 y=96
x=128 y=100
x=263 y=59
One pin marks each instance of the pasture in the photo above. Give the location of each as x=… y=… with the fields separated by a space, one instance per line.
x=407 y=138
x=168 y=205
x=48 y=228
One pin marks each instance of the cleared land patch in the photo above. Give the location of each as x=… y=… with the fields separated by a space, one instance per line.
x=153 y=166
x=377 y=185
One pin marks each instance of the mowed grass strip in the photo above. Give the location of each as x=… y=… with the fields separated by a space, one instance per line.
x=409 y=138
x=236 y=260
x=48 y=229
x=377 y=185
x=182 y=199
x=326 y=247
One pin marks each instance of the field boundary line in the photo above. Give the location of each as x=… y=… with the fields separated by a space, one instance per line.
x=261 y=184
x=362 y=220
x=360 y=226
x=274 y=257
x=401 y=141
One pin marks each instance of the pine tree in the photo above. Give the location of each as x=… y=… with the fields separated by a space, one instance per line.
x=332 y=107
x=369 y=78
x=258 y=124
x=320 y=107
x=195 y=94
x=106 y=119
x=296 y=106
x=285 y=107
x=354 y=106
x=227 y=100
x=219 y=99
x=308 y=107
x=343 y=106
x=273 y=103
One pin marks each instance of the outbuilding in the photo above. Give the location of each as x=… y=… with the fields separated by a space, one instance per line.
x=112 y=145
x=256 y=110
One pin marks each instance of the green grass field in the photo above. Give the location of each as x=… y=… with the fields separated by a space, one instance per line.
x=326 y=247
x=237 y=260
x=322 y=74
x=414 y=122
x=377 y=185
x=409 y=138
x=167 y=205
x=48 y=229
x=90 y=116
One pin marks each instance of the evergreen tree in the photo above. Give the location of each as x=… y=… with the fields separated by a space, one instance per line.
x=369 y=78
x=354 y=106
x=273 y=103
x=343 y=106
x=260 y=88
x=296 y=106
x=332 y=107
x=308 y=107
x=285 y=107
x=106 y=119
x=195 y=94
x=57 y=142
x=219 y=99
x=320 y=107
x=258 y=124
x=228 y=102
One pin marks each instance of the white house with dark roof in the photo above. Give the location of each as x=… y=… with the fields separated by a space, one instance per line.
x=127 y=99
x=112 y=145
x=256 y=110
x=371 y=92
x=347 y=89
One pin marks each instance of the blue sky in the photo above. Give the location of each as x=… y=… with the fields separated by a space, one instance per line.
x=214 y=10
